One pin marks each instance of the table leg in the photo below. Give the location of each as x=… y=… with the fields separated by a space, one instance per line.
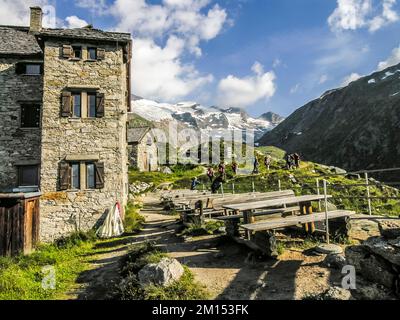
x=310 y=211
x=248 y=218
x=303 y=211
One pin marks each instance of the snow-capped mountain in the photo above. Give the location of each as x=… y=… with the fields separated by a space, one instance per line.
x=196 y=116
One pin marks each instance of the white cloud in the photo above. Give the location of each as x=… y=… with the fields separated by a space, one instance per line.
x=355 y=14
x=295 y=88
x=16 y=12
x=350 y=78
x=393 y=59
x=243 y=92
x=158 y=72
x=75 y=22
x=323 y=79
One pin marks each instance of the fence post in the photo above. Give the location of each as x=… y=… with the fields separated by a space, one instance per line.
x=222 y=190
x=279 y=185
x=318 y=193
x=326 y=212
x=254 y=188
x=368 y=194
x=233 y=188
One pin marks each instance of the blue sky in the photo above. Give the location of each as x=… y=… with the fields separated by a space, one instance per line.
x=262 y=55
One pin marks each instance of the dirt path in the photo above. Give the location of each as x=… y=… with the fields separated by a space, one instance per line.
x=228 y=270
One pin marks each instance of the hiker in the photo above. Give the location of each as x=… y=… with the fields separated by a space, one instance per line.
x=210 y=174
x=217 y=184
x=235 y=167
x=289 y=161
x=222 y=170
x=296 y=159
x=256 y=166
x=195 y=183
x=268 y=161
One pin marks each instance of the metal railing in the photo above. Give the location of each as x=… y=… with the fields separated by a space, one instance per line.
x=366 y=200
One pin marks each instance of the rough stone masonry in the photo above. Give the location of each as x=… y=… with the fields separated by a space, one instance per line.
x=79 y=146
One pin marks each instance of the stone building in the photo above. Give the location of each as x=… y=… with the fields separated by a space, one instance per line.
x=64 y=99
x=143 y=152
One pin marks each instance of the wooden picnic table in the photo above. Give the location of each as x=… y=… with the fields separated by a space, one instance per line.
x=248 y=208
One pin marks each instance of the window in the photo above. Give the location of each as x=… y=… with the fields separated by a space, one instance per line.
x=91 y=103
x=33 y=69
x=90 y=176
x=75 y=176
x=76 y=105
x=28 y=176
x=92 y=53
x=80 y=175
x=77 y=52
x=30 y=115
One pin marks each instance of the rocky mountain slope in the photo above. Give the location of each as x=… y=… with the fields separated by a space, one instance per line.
x=196 y=116
x=355 y=127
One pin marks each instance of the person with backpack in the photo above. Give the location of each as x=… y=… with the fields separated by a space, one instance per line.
x=268 y=161
x=296 y=158
x=194 y=184
x=210 y=174
x=256 y=166
x=289 y=161
x=235 y=167
x=217 y=184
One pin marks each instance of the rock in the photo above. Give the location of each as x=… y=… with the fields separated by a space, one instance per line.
x=329 y=249
x=337 y=170
x=367 y=290
x=162 y=274
x=292 y=178
x=337 y=293
x=335 y=261
x=167 y=170
x=377 y=270
x=390 y=229
x=362 y=228
x=384 y=249
x=355 y=254
x=353 y=176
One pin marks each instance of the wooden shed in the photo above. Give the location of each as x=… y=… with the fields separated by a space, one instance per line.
x=19 y=222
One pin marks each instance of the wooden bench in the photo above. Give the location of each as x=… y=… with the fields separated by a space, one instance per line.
x=213 y=207
x=262 y=237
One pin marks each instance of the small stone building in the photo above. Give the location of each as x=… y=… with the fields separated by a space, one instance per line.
x=64 y=99
x=142 y=149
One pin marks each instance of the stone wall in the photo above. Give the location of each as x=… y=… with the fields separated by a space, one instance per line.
x=17 y=145
x=142 y=156
x=66 y=211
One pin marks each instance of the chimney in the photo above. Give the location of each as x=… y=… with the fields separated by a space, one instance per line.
x=36 y=19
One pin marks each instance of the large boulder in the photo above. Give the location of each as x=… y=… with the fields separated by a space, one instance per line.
x=356 y=254
x=390 y=229
x=334 y=261
x=387 y=249
x=161 y=274
x=378 y=271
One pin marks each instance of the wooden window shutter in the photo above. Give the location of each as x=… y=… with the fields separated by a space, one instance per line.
x=66 y=108
x=99 y=168
x=101 y=54
x=66 y=51
x=100 y=105
x=65 y=176
x=20 y=68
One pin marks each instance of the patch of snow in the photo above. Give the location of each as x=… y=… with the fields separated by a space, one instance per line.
x=371 y=81
x=389 y=74
x=395 y=94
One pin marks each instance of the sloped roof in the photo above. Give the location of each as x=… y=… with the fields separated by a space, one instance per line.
x=86 y=33
x=18 y=41
x=137 y=134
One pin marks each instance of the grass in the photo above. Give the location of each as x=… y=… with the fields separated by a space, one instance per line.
x=129 y=289
x=133 y=220
x=209 y=228
x=21 y=276
x=181 y=173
